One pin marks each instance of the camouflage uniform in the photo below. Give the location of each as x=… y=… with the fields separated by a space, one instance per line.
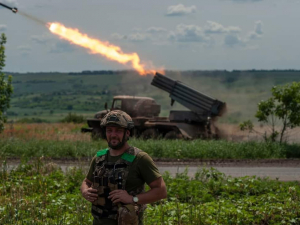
x=109 y=176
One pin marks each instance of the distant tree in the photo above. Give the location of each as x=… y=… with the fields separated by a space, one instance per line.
x=283 y=108
x=5 y=85
x=73 y=118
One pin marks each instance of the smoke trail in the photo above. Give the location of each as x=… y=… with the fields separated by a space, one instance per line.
x=33 y=18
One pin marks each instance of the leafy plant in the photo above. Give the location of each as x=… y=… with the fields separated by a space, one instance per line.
x=282 y=107
x=5 y=86
x=40 y=193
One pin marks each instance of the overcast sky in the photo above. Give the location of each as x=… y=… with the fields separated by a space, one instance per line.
x=179 y=35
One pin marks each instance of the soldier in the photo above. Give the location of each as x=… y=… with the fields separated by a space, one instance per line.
x=117 y=175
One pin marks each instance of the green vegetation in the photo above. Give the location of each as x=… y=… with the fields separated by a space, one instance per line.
x=31 y=120
x=171 y=149
x=5 y=86
x=51 y=96
x=42 y=194
x=73 y=118
x=283 y=108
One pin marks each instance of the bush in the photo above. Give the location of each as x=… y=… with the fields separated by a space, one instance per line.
x=73 y=118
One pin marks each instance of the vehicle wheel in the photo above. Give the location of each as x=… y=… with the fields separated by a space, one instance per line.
x=96 y=134
x=149 y=134
x=172 y=135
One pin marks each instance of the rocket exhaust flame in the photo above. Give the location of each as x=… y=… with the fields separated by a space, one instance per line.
x=106 y=49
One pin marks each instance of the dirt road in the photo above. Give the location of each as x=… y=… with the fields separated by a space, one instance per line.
x=282 y=169
x=281 y=173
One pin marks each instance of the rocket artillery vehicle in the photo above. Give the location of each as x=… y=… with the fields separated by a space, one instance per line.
x=196 y=123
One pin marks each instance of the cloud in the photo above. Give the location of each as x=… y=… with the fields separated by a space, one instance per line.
x=188 y=33
x=62 y=47
x=180 y=10
x=3 y=27
x=55 y=45
x=40 y=39
x=155 y=30
x=194 y=33
x=117 y=36
x=258 y=27
x=212 y=33
x=136 y=29
x=258 y=31
x=24 y=50
x=135 y=37
x=216 y=28
x=151 y=33
x=232 y=40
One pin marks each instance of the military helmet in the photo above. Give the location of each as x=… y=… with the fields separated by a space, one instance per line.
x=117 y=118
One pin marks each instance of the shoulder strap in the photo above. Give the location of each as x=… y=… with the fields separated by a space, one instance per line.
x=102 y=152
x=128 y=157
x=130 y=154
x=101 y=156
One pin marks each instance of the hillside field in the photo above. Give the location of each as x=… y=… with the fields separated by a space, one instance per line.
x=50 y=96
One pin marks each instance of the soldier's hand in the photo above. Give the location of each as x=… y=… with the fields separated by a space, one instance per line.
x=120 y=196
x=90 y=194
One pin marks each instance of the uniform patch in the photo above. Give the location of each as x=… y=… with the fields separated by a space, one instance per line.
x=102 y=152
x=128 y=157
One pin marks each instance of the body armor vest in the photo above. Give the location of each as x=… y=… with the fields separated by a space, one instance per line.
x=109 y=176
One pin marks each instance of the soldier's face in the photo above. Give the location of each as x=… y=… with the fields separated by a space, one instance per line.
x=114 y=136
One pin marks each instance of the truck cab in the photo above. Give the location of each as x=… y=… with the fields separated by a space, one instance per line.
x=138 y=108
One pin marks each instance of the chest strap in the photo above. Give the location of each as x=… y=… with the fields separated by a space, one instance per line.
x=117 y=166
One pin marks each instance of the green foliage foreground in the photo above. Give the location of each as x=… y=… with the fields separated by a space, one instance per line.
x=41 y=193
x=169 y=149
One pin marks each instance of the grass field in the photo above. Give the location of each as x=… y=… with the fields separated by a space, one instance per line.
x=66 y=140
x=39 y=193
